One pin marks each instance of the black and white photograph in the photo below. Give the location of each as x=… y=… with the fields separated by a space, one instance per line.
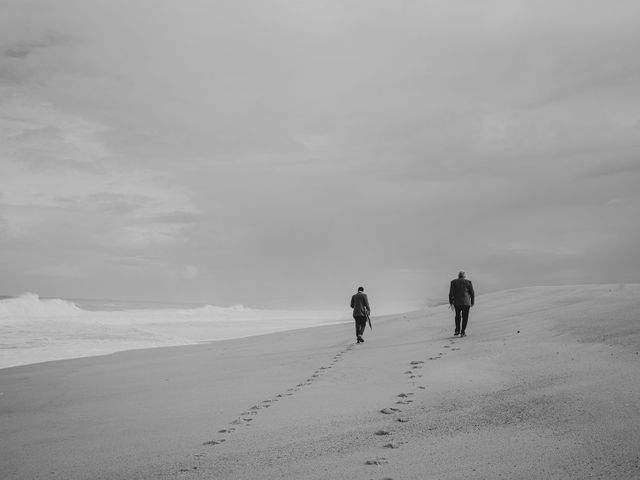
x=319 y=239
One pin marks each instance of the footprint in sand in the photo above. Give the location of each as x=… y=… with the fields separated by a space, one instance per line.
x=403 y=420
x=245 y=417
x=383 y=432
x=389 y=410
x=184 y=470
x=376 y=461
x=405 y=400
x=214 y=442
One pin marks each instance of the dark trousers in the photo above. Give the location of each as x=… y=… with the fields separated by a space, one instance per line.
x=361 y=322
x=462 y=311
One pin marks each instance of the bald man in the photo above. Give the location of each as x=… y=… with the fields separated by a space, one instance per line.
x=461 y=298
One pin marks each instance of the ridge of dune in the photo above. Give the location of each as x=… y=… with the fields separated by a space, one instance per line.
x=544 y=386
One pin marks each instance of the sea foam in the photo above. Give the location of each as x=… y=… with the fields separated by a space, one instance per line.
x=34 y=329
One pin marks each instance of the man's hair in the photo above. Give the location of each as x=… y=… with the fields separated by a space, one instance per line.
x=361 y=289
x=461 y=274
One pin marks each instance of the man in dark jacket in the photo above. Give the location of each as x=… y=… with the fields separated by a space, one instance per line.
x=361 y=311
x=461 y=298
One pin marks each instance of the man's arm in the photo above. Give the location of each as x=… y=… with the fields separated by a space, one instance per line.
x=352 y=302
x=471 y=293
x=366 y=303
x=451 y=294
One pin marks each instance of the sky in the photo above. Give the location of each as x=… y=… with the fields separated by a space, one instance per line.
x=279 y=154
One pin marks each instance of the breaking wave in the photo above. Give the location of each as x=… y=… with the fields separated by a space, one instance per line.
x=31 y=305
x=34 y=329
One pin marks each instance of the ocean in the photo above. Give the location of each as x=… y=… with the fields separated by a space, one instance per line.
x=34 y=329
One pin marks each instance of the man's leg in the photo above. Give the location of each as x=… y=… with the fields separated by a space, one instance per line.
x=360 y=323
x=465 y=318
x=458 y=309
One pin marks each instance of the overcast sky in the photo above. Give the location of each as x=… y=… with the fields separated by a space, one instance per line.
x=281 y=153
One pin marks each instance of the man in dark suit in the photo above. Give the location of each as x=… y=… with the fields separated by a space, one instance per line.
x=461 y=298
x=361 y=310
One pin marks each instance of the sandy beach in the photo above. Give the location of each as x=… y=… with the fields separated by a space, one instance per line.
x=545 y=385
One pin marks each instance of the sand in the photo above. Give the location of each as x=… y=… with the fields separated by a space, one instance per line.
x=546 y=385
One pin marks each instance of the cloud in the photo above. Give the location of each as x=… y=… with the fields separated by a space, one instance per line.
x=231 y=143
x=60 y=271
x=190 y=272
x=617 y=168
x=44 y=137
x=60 y=172
x=106 y=202
x=177 y=217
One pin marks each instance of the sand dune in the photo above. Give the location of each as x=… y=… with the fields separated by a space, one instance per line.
x=546 y=385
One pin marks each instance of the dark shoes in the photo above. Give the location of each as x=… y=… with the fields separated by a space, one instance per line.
x=360 y=340
x=462 y=334
x=456 y=333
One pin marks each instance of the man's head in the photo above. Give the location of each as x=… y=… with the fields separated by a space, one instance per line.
x=461 y=274
x=361 y=289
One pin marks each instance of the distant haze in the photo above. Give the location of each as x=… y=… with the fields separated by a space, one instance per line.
x=282 y=153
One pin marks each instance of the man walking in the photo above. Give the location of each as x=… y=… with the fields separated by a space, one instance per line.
x=461 y=298
x=361 y=311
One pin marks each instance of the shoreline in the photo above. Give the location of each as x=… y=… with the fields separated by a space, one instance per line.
x=544 y=385
x=135 y=348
